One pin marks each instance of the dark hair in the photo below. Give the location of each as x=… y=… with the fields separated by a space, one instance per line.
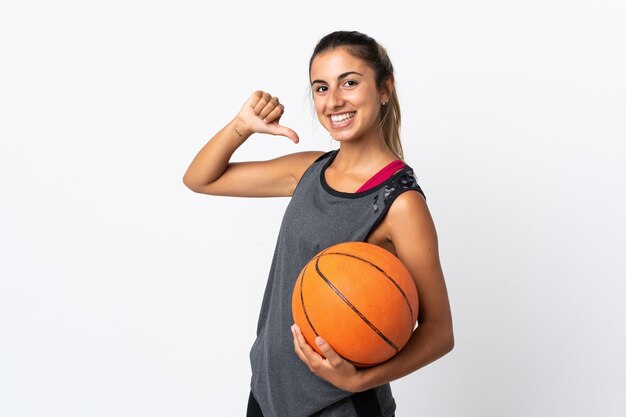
x=374 y=54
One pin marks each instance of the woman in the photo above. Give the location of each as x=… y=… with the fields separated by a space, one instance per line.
x=353 y=90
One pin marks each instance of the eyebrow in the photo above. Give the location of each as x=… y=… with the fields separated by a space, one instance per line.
x=344 y=75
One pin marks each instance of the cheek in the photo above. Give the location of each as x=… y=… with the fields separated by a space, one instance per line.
x=319 y=108
x=361 y=101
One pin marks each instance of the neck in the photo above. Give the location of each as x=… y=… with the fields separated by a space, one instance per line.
x=362 y=155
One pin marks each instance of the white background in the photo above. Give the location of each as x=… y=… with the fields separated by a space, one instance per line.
x=123 y=293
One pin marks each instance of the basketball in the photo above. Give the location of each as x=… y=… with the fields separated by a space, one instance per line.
x=358 y=297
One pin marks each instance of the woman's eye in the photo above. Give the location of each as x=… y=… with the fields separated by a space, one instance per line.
x=319 y=89
x=351 y=83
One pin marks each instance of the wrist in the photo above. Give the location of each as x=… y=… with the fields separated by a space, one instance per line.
x=371 y=377
x=360 y=383
x=240 y=130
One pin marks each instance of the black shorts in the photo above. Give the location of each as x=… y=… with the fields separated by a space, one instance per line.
x=365 y=403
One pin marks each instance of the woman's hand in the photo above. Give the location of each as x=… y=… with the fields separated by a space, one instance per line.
x=333 y=369
x=261 y=113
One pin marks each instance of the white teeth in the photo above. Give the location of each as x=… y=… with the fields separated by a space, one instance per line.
x=341 y=117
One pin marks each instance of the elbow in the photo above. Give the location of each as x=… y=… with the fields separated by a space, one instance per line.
x=198 y=188
x=448 y=341
x=450 y=344
x=189 y=184
x=443 y=338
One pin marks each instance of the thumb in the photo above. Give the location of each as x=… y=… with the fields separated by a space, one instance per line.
x=280 y=130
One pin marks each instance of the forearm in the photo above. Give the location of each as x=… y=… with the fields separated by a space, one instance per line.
x=211 y=161
x=427 y=343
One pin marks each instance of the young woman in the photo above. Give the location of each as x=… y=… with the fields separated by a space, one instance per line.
x=364 y=192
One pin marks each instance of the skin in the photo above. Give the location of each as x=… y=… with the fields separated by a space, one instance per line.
x=340 y=83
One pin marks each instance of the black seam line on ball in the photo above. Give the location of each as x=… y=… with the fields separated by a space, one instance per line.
x=406 y=299
x=302 y=294
x=345 y=300
x=306 y=315
x=302 y=301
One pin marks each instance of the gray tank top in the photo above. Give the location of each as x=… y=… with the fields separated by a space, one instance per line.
x=316 y=217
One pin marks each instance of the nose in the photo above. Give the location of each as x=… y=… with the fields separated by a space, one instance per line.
x=335 y=99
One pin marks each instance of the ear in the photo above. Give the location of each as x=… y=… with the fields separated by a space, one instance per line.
x=388 y=87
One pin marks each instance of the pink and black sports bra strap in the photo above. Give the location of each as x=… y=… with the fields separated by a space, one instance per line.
x=382 y=175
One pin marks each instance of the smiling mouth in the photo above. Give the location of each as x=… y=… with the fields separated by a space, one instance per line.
x=339 y=120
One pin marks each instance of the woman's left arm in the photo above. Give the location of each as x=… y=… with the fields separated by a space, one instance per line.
x=412 y=232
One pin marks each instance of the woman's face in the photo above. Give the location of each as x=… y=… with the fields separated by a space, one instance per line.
x=347 y=101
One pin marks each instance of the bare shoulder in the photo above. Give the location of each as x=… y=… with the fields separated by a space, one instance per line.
x=409 y=216
x=410 y=202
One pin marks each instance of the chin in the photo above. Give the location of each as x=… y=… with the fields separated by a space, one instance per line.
x=342 y=135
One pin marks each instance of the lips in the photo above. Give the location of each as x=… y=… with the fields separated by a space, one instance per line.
x=340 y=120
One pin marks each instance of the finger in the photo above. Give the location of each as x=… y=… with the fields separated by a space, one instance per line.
x=265 y=98
x=313 y=358
x=329 y=353
x=272 y=113
x=298 y=342
x=296 y=347
x=276 y=129
x=273 y=108
x=254 y=98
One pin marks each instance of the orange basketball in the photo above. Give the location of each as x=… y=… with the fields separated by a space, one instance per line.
x=360 y=298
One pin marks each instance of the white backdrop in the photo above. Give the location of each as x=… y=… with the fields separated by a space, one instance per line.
x=122 y=293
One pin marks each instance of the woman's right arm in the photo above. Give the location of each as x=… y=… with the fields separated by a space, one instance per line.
x=210 y=172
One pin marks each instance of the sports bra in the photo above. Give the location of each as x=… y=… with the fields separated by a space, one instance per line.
x=382 y=175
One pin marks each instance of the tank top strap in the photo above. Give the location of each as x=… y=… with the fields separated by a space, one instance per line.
x=382 y=175
x=404 y=181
